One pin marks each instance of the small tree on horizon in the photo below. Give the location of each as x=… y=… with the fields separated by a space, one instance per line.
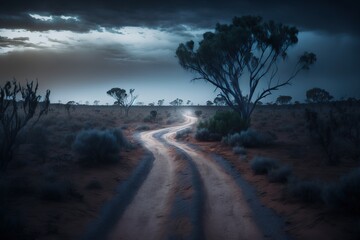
x=318 y=95
x=283 y=99
x=122 y=98
x=209 y=103
x=248 y=47
x=161 y=102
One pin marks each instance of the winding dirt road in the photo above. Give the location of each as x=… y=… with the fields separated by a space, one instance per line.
x=186 y=195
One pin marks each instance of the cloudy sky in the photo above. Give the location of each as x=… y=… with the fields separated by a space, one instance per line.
x=81 y=49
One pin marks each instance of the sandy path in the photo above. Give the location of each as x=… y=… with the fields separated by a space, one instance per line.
x=226 y=212
x=227 y=215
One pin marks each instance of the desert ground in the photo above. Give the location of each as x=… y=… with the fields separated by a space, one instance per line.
x=166 y=184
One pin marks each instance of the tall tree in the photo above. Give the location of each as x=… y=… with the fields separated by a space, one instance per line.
x=247 y=48
x=122 y=98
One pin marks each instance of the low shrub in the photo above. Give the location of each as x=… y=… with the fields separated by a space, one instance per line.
x=305 y=191
x=262 y=165
x=183 y=133
x=239 y=150
x=143 y=128
x=203 y=134
x=280 y=174
x=345 y=194
x=96 y=147
x=249 y=138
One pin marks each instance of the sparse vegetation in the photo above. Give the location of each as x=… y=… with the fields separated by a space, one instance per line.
x=13 y=120
x=122 y=98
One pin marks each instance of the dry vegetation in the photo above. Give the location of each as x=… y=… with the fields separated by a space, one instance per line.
x=47 y=194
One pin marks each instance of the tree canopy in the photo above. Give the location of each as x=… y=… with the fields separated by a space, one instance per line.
x=248 y=48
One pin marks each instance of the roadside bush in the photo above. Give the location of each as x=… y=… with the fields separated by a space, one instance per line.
x=281 y=174
x=239 y=150
x=305 y=191
x=223 y=123
x=96 y=147
x=262 y=165
x=203 y=134
x=143 y=128
x=249 y=138
x=344 y=195
x=183 y=133
x=198 y=113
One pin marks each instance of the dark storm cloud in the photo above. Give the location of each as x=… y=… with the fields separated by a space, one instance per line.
x=16 y=42
x=330 y=16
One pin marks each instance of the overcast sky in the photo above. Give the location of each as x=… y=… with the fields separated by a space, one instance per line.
x=81 y=49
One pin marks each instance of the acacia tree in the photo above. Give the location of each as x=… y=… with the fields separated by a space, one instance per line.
x=318 y=95
x=283 y=99
x=161 y=102
x=246 y=48
x=12 y=120
x=219 y=101
x=122 y=98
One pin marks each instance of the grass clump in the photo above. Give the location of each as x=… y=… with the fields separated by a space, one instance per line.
x=99 y=147
x=263 y=165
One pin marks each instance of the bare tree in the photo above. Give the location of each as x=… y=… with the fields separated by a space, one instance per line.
x=122 y=98
x=246 y=48
x=13 y=120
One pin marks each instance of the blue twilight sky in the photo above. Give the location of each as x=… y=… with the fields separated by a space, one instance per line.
x=81 y=49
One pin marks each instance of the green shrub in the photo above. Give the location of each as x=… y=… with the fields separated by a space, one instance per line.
x=203 y=134
x=96 y=147
x=262 y=165
x=223 y=123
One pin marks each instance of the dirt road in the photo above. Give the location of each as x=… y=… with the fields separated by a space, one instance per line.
x=187 y=195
